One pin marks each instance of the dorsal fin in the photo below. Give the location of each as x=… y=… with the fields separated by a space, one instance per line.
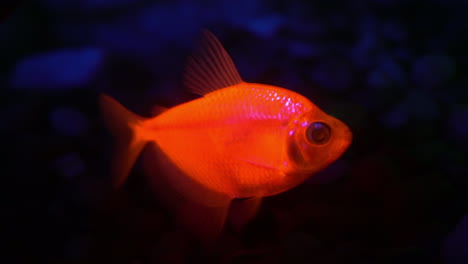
x=211 y=68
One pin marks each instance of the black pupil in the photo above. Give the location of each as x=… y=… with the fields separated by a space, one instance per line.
x=318 y=133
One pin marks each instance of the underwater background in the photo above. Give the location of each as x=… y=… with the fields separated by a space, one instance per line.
x=394 y=70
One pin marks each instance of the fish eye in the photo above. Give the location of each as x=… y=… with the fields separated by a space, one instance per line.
x=318 y=133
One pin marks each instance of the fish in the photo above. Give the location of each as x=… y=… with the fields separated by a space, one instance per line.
x=228 y=149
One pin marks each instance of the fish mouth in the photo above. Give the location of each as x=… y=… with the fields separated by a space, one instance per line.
x=344 y=136
x=347 y=137
x=344 y=140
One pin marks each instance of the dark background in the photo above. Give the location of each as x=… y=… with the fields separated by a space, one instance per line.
x=394 y=70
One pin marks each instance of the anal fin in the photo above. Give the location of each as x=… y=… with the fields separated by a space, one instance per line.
x=242 y=211
x=199 y=210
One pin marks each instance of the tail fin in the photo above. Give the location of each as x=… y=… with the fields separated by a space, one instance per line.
x=124 y=126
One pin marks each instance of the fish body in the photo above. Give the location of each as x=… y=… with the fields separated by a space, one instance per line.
x=240 y=140
x=236 y=140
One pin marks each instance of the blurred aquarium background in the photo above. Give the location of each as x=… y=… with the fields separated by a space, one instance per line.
x=394 y=70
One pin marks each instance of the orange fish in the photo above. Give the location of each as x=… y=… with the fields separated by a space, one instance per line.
x=239 y=140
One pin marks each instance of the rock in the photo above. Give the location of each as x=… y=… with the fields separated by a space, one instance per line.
x=57 y=70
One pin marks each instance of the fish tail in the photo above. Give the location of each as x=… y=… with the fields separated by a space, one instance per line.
x=125 y=126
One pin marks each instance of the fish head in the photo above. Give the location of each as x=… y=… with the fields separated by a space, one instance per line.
x=315 y=140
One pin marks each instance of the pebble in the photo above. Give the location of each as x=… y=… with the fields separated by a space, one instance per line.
x=387 y=74
x=305 y=50
x=333 y=75
x=422 y=106
x=265 y=26
x=70 y=165
x=454 y=247
x=57 y=70
x=458 y=122
x=363 y=53
x=69 y=121
x=396 y=117
x=88 y=6
x=432 y=70
x=394 y=31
